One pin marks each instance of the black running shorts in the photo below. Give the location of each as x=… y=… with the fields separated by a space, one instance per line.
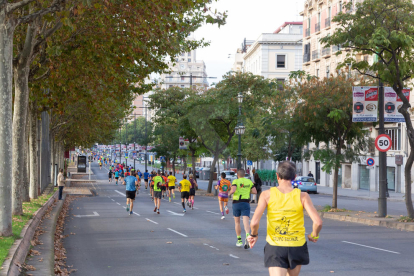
x=286 y=257
x=192 y=192
x=171 y=187
x=163 y=188
x=185 y=195
x=157 y=194
x=130 y=194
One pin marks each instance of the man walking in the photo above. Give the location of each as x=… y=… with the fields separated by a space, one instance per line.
x=286 y=249
x=158 y=181
x=241 y=188
x=61 y=183
x=130 y=182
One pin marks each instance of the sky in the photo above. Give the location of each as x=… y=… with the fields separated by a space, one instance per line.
x=246 y=19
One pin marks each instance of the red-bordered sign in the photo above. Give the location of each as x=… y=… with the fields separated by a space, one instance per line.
x=370 y=162
x=383 y=142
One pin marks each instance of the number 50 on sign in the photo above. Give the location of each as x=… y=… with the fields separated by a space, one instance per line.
x=383 y=142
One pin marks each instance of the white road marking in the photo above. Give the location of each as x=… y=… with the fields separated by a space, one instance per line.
x=231 y=255
x=177 y=203
x=95 y=214
x=112 y=199
x=118 y=203
x=174 y=213
x=213 y=212
x=136 y=214
x=252 y=212
x=195 y=208
x=124 y=207
x=177 y=232
x=152 y=221
x=371 y=247
x=119 y=193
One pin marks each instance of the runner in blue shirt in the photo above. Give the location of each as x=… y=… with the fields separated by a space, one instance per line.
x=146 y=175
x=139 y=173
x=130 y=182
x=116 y=177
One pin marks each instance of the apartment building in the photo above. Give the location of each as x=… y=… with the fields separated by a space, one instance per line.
x=322 y=61
x=275 y=55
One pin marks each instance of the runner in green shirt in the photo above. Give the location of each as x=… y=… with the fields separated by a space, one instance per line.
x=158 y=181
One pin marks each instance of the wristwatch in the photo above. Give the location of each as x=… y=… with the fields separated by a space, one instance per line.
x=254 y=236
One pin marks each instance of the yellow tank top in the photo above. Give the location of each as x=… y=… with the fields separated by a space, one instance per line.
x=285 y=221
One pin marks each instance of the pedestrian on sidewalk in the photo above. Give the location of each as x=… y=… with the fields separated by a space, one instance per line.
x=223 y=186
x=310 y=174
x=130 y=182
x=61 y=183
x=242 y=188
x=286 y=249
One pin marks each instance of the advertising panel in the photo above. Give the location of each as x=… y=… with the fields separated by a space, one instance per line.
x=365 y=104
x=392 y=103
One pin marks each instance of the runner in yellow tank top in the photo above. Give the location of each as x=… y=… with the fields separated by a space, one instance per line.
x=286 y=249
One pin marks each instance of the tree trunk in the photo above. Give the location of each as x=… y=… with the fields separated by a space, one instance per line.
x=407 y=172
x=185 y=163
x=173 y=165
x=33 y=152
x=6 y=54
x=52 y=158
x=335 y=182
x=26 y=164
x=213 y=165
x=193 y=162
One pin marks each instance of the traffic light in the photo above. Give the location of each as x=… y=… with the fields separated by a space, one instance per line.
x=223 y=162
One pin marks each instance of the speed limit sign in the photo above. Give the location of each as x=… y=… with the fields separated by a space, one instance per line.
x=383 y=142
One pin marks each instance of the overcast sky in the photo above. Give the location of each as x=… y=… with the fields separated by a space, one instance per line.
x=246 y=19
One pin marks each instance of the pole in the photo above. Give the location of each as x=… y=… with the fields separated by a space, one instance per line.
x=135 y=124
x=191 y=80
x=89 y=169
x=239 y=150
x=382 y=200
x=146 y=143
x=126 y=143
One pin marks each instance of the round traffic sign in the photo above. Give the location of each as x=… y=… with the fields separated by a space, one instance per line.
x=383 y=142
x=370 y=162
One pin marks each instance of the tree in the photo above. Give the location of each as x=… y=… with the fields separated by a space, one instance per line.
x=382 y=28
x=324 y=116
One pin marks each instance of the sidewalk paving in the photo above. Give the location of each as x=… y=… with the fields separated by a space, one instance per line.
x=362 y=194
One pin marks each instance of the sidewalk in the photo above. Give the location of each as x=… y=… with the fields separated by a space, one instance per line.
x=362 y=194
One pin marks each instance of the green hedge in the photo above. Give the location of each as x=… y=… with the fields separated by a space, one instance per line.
x=267 y=175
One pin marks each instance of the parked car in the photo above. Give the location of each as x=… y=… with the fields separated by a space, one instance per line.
x=197 y=171
x=230 y=175
x=305 y=184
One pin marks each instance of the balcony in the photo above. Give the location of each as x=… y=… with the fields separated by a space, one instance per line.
x=326 y=51
x=327 y=22
x=315 y=54
x=318 y=27
x=307 y=32
x=306 y=58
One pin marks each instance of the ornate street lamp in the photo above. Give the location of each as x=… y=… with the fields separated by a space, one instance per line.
x=239 y=130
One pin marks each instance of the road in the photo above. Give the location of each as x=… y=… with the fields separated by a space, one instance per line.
x=199 y=243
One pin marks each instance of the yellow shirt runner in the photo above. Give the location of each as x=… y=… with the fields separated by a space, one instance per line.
x=185 y=185
x=171 y=180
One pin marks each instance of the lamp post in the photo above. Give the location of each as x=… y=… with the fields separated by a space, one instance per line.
x=239 y=130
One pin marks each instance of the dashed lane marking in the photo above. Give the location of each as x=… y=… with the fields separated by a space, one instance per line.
x=136 y=214
x=151 y=221
x=371 y=247
x=118 y=203
x=119 y=192
x=213 y=212
x=177 y=232
x=231 y=255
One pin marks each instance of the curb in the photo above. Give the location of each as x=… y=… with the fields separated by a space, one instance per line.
x=20 y=248
x=371 y=222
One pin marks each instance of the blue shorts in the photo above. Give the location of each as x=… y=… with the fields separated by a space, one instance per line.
x=241 y=209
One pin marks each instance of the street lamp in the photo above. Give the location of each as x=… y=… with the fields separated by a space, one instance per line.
x=239 y=129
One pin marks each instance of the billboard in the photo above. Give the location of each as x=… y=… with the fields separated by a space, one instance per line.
x=392 y=103
x=365 y=104
x=183 y=143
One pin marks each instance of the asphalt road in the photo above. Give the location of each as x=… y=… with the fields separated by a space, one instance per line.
x=200 y=243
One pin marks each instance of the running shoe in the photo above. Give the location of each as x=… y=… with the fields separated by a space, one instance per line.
x=226 y=209
x=173 y=195
x=192 y=208
x=246 y=244
x=127 y=208
x=158 y=212
x=184 y=211
x=155 y=209
x=170 y=199
x=239 y=243
x=223 y=217
x=130 y=213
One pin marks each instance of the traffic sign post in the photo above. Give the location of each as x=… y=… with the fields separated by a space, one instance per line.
x=383 y=142
x=370 y=162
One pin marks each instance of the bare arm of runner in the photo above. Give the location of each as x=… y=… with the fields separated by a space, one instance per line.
x=313 y=214
x=254 y=224
x=233 y=190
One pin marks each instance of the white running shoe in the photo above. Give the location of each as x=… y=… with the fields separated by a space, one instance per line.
x=223 y=217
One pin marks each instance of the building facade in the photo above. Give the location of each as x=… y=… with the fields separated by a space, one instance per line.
x=275 y=55
x=322 y=62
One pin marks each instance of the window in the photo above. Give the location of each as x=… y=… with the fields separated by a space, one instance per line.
x=317 y=73
x=327 y=71
x=182 y=86
x=189 y=54
x=170 y=86
x=182 y=66
x=340 y=6
x=280 y=84
x=280 y=61
x=395 y=134
x=182 y=79
x=176 y=60
x=189 y=60
x=183 y=54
